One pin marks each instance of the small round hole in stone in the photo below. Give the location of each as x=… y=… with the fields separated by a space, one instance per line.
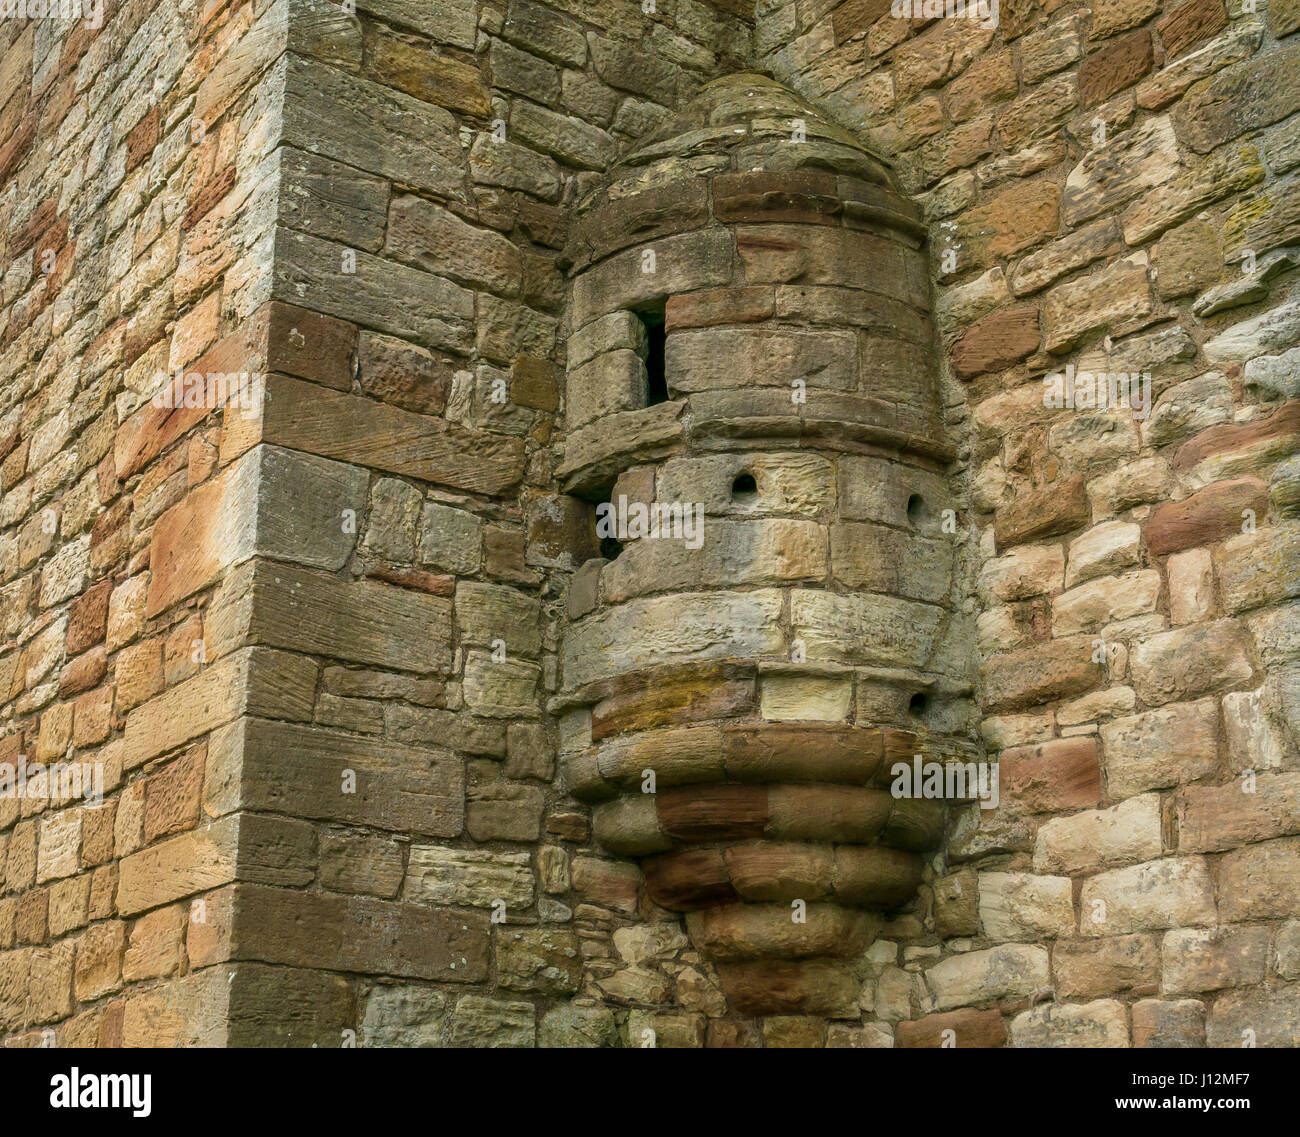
x=918 y=704
x=916 y=511
x=744 y=487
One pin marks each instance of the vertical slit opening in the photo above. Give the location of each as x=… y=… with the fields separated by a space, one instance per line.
x=652 y=319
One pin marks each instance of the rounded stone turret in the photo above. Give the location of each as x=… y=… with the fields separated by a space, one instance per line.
x=751 y=404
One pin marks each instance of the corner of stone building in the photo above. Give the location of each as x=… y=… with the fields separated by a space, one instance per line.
x=373 y=706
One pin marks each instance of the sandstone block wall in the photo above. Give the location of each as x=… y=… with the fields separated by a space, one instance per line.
x=320 y=642
x=1110 y=186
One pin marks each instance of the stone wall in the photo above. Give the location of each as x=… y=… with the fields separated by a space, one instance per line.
x=1110 y=186
x=314 y=639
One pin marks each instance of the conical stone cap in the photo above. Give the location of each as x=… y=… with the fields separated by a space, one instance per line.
x=739 y=123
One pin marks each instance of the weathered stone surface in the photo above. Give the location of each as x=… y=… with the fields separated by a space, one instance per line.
x=509 y=166
x=1161 y=748
x=1187 y=407
x=1188 y=259
x=1024 y=572
x=1217 y=511
x=1014 y=220
x=1192 y=186
x=543 y=960
x=1060 y=774
x=1044 y=512
x=468 y=877
x=1057 y=669
x=1259 y=568
x=1100 y=1024
x=189 y=863
x=1159 y=1024
x=364 y=432
x=1214 y=818
x=1256 y=1017
x=1118 y=64
x=996 y=342
x=612 y=382
x=1106 y=600
x=436 y=240
x=1110 y=16
x=257 y=507
x=253 y=681
x=1287 y=950
x=497 y=809
x=492 y=1024
x=369 y=127
x=651 y=631
x=260 y=764
x=1188 y=662
x=1021 y=906
x=1082 y=247
x=1038 y=113
x=362 y=621
x=1108 y=176
x=1260 y=881
x=1168 y=893
x=1089 y=968
x=1012 y=970
x=882 y=560
x=862 y=628
x=956 y=904
x=1247 y=95
x=405 y=1016
x=1190 y=24
x=708 y=359
x=1124 y=833
x=1108 y=298
x=1104 y=548
x=1208 y=959
x=568 y=139
x=959 y=1029
x=568 y=1026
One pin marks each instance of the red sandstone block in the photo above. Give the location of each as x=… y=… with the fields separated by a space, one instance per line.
x=171 y=802
x=306 y=344
x=1207 y=516
x=207 y=197
x=713 y=813
x=795 y=197
x=88 y=617
x=965 y=1029
x=82 y=673
x=855 y=16
x=1062 y=774
x=15 y=150
x=92 y=717
x=997 y=341
x=696 y=878
x=1191 y=24
x=142 y=139
x=435 y=584
x=1121 y=63
x=1279 y=434
x=41 y=219
x=720 y=306
x=1044 y=511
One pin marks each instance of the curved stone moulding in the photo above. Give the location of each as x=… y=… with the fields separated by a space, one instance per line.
x=764 y=675
x=804 y=815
